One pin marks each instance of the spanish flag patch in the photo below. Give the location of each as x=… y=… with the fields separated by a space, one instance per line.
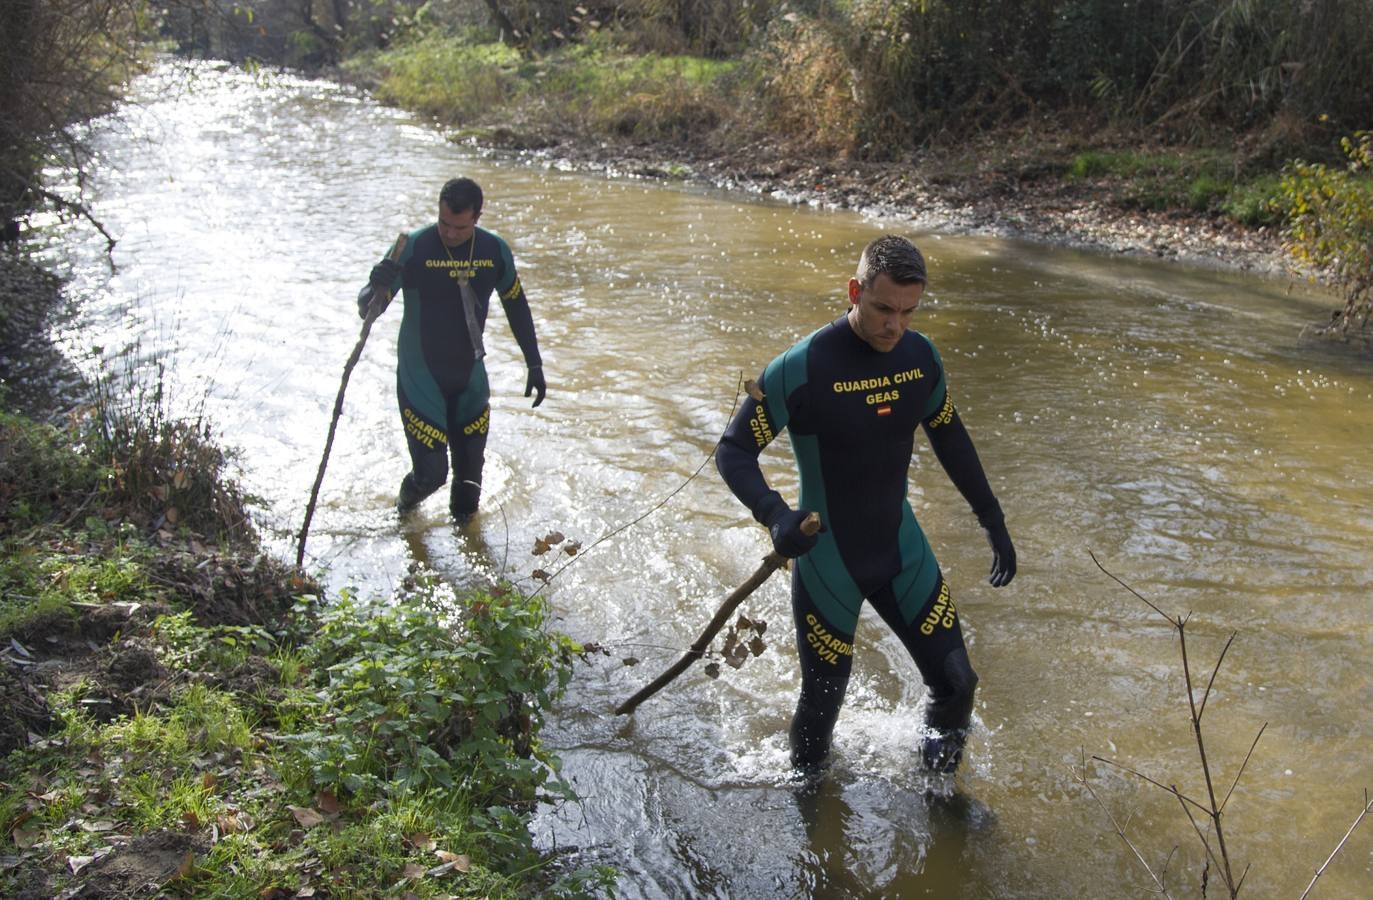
x=884 y=409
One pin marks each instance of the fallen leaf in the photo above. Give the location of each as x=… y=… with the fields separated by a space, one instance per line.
x=459 y=861
x=77 y=863
x=753 y=390
x=97 y=827
x=630 y=661
x=308 y=818
x=186 y=865
x=757 y=646
x=414 y=870
x=326 y=801
x=235 y=823
x=209 y=780
x=713 y=670
x=24 y=838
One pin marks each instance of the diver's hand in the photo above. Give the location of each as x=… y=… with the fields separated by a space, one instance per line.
x=535 y=385
x=1003 y=555
x=788 y=538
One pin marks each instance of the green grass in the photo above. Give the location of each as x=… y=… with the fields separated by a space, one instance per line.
x=592 y=85
x=1256 y=203
x=1197 y=180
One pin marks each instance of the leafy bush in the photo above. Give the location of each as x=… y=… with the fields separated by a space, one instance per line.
x=419 y=695
x=1255 y=203
x=807 y=85
x=1330 y=226
x=42 y=476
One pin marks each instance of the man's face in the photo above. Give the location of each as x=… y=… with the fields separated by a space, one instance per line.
x=881 y=313
x=456 y=228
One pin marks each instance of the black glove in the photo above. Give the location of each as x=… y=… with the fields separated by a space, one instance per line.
x=535 y=383
x=1003 y=555
x=787 y=537
x=384 y=274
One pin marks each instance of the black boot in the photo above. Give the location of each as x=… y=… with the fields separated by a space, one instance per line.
x=463 y=500
x=409 y=496
x=942 y=751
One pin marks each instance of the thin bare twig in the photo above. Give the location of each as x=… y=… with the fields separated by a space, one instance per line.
x=1210 y=853
x=1207 y=696
x=1080 y=777
x=1219 y=854
x=1243 y=766
x=1367 y=807
x=1214 y=811
x=1145 y=600
x=1158 y=784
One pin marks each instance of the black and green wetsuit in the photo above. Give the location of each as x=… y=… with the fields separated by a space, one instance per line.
x=852 y=413
x=440 y=377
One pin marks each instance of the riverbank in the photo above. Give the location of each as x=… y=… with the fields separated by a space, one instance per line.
x=1066 y=184
x=983 y=190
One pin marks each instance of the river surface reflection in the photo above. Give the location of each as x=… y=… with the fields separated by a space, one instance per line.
x=1169 y=420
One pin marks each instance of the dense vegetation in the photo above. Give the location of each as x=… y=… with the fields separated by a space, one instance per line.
x=179 y=710
x=882 y=78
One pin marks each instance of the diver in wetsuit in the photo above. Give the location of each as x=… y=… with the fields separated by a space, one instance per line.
x=852 y=395
x=446 y=275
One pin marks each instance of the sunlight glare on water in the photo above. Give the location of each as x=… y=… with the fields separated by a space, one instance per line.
x=1169 y=420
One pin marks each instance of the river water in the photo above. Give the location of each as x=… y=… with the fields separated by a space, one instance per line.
x=1169 y=420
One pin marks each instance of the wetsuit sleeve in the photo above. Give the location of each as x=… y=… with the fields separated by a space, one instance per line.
x=517 y=313
x=954 y=449
x=753 y=427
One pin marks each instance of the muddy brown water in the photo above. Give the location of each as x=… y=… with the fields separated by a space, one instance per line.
x=1169 y=420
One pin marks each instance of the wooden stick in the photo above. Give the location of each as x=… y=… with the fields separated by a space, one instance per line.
x=380 y=297
x=771 y=563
